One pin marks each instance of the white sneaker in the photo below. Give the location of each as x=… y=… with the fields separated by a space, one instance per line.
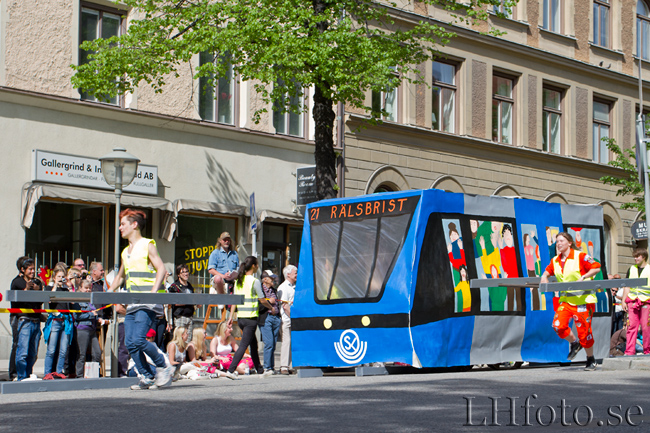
x=145 y=383
x=31 y=378
x=268 y=373
x=232 y=376
x=164 y=376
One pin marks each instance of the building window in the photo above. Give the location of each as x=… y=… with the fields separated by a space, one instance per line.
x=601 y=130
x=502 y=109
x=552 y=120
x=289 y=122
x=443 y=113
x=216 y=99
x=642 y=30
x=552 y=16
x=601 y=23
x=387 y=99
x=98 y=23
x=501 y=8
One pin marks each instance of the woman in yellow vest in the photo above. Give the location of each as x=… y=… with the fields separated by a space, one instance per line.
x=144 y=271
x=573 y=265
x=247 y=314
x=636 y=301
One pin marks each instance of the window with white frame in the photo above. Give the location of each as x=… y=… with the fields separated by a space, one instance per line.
x=387 y=99
x=443 y=110
x=289 y=122
x=502 y=109
x=98 y=22
x=602 y=125
x=642 y=30
x=506 y=11
x=601 y=23
x=552 y=120
x=552 y=13
x=216 y=98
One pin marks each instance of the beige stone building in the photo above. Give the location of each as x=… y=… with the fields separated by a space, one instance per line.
x=519 y=114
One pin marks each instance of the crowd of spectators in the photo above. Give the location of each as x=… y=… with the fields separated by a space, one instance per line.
x=75 y=333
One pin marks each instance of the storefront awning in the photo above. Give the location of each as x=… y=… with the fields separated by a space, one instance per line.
x=33 y=192
x=271 y=215
x=170 y=223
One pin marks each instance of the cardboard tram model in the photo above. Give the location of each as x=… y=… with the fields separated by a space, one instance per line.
x=385 y=278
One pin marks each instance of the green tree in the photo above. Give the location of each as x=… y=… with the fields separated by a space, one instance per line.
x=341 y=47
x=629 y=185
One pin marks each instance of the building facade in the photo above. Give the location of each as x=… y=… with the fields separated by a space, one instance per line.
x=520 y=114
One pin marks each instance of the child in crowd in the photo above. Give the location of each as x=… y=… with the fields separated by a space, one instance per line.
x=86 y=324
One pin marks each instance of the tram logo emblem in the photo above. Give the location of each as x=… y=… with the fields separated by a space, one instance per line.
x=350 y=348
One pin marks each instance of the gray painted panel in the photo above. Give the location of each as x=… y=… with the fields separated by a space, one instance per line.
x=66 y=385
x=489 y=206
x=583 y=214
x=497 y=339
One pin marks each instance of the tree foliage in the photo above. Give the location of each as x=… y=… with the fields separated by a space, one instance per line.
x=629 y=185
x=340 y=47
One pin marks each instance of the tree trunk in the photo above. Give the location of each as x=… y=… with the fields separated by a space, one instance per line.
x=324 y=155
x=323 y=113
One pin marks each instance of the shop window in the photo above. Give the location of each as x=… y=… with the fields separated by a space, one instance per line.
x=61 y=232
x=98 y=23
x=197 y=238
x=217 y=102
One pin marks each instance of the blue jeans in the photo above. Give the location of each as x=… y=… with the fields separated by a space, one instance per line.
x=29 y=335
x=136 y=326
x=59 y=342
x=270 y=332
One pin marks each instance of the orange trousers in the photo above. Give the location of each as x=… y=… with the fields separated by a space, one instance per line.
x=582 y=319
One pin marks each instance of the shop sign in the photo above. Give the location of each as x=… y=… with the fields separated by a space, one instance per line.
x=87 y=172
x=640 y=230
x=306 y=183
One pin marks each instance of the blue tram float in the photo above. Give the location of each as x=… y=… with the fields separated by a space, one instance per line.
x=385 y=278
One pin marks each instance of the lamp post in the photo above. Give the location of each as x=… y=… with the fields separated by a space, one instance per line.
x=119 y=168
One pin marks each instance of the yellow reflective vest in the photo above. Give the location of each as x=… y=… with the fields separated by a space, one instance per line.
x=570 y=273
x=250 y=309
x=643 y=293
x=140 y=275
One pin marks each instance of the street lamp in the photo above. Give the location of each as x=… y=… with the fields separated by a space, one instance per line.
x=119 y=168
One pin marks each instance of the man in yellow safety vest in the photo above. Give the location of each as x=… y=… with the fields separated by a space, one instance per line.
x=144 y=272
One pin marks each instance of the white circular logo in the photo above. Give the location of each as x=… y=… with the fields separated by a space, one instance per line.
x=350 y=348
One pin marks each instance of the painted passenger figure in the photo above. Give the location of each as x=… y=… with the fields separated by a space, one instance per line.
x=463 y=293
x=491 y=263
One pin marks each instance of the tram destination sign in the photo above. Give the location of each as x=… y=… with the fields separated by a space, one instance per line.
x=87 y=172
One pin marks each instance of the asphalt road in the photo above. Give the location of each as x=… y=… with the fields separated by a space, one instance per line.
x=404 y=403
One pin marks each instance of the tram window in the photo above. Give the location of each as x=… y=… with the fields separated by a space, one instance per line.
x=325 y=239
x=352 y=259
x=392 y=236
